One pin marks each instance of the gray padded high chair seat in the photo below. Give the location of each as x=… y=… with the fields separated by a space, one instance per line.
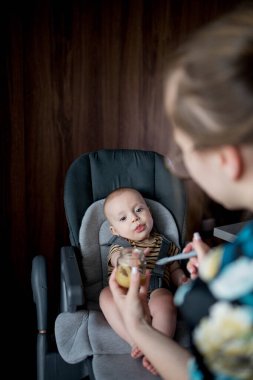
x=82 y=333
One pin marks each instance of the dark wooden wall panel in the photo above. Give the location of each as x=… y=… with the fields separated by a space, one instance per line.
x=77 y=76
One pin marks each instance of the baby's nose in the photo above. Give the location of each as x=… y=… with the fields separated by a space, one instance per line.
x=135 y=217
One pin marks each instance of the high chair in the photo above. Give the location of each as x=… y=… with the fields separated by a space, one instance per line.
x=85 y=343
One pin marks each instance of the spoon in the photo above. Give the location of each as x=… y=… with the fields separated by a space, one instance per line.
x=180 y=256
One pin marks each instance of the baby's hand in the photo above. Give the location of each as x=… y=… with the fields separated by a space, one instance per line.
x=179 y=278
x=183 y=279
x=114 y=258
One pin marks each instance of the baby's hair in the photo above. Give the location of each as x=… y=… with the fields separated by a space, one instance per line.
x=209 y=88
x=116 y=192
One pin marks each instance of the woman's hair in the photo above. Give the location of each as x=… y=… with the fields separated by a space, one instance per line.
x=209 y=88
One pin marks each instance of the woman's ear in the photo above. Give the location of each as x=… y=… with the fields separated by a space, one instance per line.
x=232 y=162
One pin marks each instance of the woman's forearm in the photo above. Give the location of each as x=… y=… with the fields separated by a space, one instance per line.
x=166 y=355
x=168 y=358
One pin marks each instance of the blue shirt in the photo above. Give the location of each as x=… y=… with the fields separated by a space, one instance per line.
x=218 y=308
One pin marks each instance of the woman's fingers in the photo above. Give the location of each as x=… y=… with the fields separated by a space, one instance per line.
x=145 y=286
x=134 y=282
x=116 y=289
x=201 y=248
x=192 y=267
x=188 y=248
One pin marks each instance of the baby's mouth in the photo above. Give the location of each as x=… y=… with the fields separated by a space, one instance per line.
x=140 y=228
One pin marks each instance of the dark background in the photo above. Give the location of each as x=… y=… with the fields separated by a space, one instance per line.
x=77 y=76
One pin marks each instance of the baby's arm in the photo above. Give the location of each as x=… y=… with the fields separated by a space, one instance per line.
x=177 y=275
x=113 y=255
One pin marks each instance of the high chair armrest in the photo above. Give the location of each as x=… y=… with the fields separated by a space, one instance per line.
x=39 y=289
x=72 y=293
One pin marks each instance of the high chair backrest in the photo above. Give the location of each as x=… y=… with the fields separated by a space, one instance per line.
x=93 y=175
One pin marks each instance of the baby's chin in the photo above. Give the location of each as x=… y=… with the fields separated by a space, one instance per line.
x=143 y=237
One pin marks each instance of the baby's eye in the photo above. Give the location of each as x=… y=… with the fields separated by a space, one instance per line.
x=139 y=209
x=122 y=219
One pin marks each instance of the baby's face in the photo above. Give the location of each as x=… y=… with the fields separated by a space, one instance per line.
x=130 y=216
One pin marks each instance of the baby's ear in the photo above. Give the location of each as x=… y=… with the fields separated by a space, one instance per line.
x=112 y=229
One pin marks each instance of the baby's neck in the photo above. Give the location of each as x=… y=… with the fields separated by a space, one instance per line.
x=139 y=241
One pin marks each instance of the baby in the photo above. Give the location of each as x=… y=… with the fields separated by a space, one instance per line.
x=130 y=218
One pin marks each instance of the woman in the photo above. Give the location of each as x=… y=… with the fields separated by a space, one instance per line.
x=209 y=100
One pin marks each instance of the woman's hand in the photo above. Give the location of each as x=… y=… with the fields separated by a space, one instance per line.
x=201 y=248
x=132 y=303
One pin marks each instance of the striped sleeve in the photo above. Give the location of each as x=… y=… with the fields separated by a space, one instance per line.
x=113 y=249
x=173 y=250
